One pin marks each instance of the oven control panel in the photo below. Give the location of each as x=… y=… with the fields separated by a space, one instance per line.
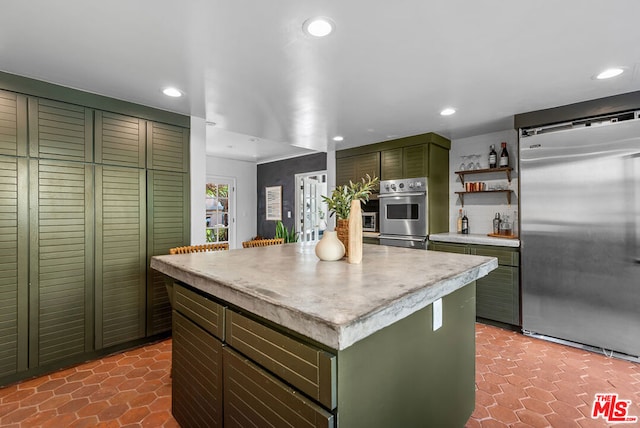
x=404 y=185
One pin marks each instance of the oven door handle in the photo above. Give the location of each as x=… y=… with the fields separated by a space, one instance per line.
x=403 y=238
x=395 y=195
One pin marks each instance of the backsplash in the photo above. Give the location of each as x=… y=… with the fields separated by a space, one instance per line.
x=482 y=207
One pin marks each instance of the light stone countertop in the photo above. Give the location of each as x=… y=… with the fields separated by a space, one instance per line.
x=333 y=303
x=457 y=238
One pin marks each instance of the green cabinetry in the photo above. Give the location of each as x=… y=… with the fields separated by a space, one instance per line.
x=167 y=227
x=198 y=328
x=78 y=225
x=13 y=124
x=354 y=168
x=269 y=376
x=61 y=260
x=425 y=155
x=14 y=264
x=120 y=254
x=405 y=162
x=498 y=293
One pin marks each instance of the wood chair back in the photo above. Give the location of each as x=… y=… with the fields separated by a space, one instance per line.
x=199 y=248
x=262 y=242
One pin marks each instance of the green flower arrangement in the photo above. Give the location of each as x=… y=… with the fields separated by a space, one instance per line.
x=339 y=202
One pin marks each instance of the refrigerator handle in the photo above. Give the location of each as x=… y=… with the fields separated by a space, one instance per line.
x=635 y=205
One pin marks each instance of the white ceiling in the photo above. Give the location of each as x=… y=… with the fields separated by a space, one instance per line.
x=386 y=71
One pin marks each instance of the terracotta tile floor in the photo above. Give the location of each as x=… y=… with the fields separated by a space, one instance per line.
x=520 y=382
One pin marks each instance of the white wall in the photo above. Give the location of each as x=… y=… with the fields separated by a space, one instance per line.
x=481 y=208
x=245 y=175
x=198 y=178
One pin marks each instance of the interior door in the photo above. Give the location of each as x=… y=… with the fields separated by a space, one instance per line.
x=311 y=211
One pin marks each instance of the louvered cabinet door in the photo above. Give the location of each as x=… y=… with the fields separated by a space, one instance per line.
x=120 y=140
x=13 y=124
x=120 y=255
x=60 y=131
x=13 y=265
x=167 y=147
x=167 y=227
x=61 y=261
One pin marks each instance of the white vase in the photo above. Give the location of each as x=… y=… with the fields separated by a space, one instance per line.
x=329 y=248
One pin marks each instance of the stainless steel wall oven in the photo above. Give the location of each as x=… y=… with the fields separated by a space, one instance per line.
x=403 y=213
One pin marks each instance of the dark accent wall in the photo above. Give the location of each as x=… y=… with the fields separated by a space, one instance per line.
x=282 y=173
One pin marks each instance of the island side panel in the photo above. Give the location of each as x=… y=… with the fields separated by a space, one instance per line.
x=408 y=375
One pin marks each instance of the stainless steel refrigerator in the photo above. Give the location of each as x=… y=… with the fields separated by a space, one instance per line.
x=580 y=233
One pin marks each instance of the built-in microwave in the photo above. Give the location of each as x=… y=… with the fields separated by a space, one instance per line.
x=369 y=222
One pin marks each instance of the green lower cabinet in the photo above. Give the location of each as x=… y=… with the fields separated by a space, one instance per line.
x=498 y=297
x=404 y=375
x=407 y=375
x=255 y=398
x=196 y=375
x=498 y=293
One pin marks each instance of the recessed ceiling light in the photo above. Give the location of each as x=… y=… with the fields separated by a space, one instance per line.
x=318 y=27
x=448 y=111
x=172 y=92
x=338 y=138
x=609 y=73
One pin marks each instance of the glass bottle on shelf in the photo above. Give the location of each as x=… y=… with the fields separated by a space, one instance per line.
x=459 y=222
x=504 y=156
x=493 y=157
x=465 y=224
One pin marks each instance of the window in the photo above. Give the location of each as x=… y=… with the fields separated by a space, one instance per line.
x=218 y=218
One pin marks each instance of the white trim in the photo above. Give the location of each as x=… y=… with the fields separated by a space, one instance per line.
x=231 y=182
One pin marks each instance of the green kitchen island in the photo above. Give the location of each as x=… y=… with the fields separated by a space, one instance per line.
x=273 y=336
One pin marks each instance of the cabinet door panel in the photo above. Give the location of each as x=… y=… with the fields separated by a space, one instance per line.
x=391 y=164
x=415 y=161
x=13 y=265
x=167 y=227
x=60 y=131
x=449 y=248
x=497 y=295
x=197 y=375
x=311 y=370
x=120 y=140
x=252 y=397
x=120 y=254
x=13 y=124
x=167 y=147
x=505 y=256
x=345 y=170
x=61 y=261
x=368 y=164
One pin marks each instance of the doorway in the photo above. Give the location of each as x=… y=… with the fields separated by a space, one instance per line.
x=220 y=210
x=311 y=211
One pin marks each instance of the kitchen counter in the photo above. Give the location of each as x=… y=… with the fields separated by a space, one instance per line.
x=478 y=239
x=275 y=328
x=334 y=303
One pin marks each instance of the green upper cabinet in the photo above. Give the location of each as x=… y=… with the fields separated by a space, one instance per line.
x=14 y=243
x=61 y=261
x=60 y=131
x=405 y=162
x=167 y=227
x=120 y=272
x=13 y=124
x=355 y=168
x=167 y=147
x=120 y=140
